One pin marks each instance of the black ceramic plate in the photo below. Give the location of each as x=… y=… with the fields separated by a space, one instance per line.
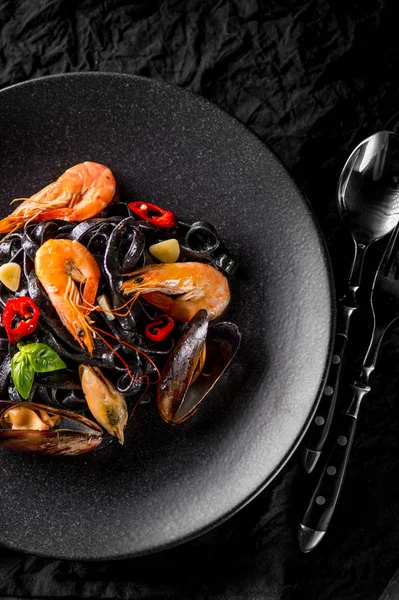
x=171 y=483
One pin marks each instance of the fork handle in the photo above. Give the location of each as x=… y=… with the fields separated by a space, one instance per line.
x=321 y=423
x=328 y=489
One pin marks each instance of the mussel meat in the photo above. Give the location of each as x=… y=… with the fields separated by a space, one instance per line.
x=106 y=404
x=41 y=429
x=197 y=362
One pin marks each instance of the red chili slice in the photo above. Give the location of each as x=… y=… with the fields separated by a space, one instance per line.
x=154 y=214
x=160 y=328
x=20 y=318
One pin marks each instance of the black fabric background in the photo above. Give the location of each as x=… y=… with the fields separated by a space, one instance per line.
x=311 y=78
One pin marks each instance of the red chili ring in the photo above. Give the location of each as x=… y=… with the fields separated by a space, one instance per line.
x=158 y=329
x=154 y=214
x=26 y=312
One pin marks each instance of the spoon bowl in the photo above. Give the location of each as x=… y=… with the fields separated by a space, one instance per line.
x=368 y=188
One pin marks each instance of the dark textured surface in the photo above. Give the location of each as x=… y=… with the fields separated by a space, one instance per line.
x=311 y=78
x=166 y=146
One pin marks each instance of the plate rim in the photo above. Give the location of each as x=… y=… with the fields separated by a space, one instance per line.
x=332 y=297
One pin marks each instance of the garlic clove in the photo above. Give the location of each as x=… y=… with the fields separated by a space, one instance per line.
x=167 y=251
x=10 y=275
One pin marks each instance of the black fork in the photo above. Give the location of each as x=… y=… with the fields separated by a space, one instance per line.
x=385 y=308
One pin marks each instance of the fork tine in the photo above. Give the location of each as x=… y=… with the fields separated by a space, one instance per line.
x=390 y=259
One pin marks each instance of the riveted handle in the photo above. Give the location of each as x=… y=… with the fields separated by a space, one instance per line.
x=328 y=489
x=321 y=423
x=324 y=499
x=320 y=426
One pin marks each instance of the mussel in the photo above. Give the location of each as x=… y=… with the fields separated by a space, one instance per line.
x=41 y=429
x=106 y=404
x=197 y=362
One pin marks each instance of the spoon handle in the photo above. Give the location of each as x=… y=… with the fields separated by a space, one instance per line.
x=320 y=426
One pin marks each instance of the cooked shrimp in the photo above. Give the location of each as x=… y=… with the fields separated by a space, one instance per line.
x=201 y=286
x=80 y=193
x=58 y=264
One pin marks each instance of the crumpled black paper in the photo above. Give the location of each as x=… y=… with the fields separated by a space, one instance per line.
x=311 y=78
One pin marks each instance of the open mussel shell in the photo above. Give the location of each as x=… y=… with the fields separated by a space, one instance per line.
x=178 y=394
x=72 y=434
x=180 y=366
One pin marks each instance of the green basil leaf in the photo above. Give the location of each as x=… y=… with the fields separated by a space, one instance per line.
x=42 y=358
x=22 y=374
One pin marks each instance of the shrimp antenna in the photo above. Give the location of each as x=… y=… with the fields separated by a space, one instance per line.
x=135 y=380
x=18 y=200
x=101 y=333
x=113 y=311
x=71 y=289
x=120 y=358
x=124 y=343
x=139 y=400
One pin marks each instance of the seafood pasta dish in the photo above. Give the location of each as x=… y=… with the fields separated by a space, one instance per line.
x=105 y=306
